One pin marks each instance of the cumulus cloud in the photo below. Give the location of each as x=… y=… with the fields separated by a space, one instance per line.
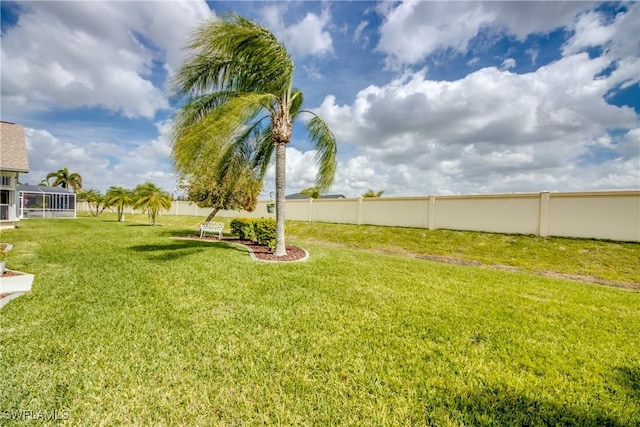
x=310 y=36
x=102 y=162
x=492 y=129
x=618 y=38
x=305 y=38
x=93 y=54
x=414 y=29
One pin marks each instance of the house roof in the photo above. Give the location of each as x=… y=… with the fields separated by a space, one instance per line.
x=13 y=148
x=300 y=196
x=27 y=188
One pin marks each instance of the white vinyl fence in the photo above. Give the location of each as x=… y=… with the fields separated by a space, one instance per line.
x=613 y=215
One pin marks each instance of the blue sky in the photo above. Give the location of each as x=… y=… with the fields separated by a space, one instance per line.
x=424 y=97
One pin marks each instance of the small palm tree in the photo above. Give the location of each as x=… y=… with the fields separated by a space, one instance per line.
x=371 y=193
x=151 y=198
x=66 y=179
x=118 y=197
x=240 y=106
x=94 y=200
x=312 y=192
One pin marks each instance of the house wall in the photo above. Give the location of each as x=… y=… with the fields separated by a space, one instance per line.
x=8 y=199
x=613 y=215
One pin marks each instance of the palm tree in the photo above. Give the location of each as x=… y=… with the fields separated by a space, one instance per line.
x=371 y=193
x=312 y=192
x=66 y=179
x=93 y=199
x=240 y=106
x=118 y=197
x=151 y=198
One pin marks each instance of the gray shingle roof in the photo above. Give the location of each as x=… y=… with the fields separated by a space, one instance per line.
x=300 y=196
x=13 y=148
x=27 y=188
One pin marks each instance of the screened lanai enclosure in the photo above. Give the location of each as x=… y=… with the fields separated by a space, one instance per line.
x=39 y=201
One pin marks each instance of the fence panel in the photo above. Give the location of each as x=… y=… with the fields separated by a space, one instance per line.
x=613 y=215
x=501 y=214
x=595 y=215
x=400 y=211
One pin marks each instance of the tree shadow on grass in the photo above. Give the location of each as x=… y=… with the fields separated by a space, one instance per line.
x=629 y=378
x=181 y=232
x=181 y=248
x=500 y=407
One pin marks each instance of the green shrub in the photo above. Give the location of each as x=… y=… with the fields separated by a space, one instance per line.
x=265 y=232
x=244 y=228
x=262 y=231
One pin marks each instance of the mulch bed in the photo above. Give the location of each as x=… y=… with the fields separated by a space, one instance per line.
x=294 y=253
x=9 y=273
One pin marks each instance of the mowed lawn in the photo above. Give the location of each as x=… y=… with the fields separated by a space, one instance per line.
x=127 y=325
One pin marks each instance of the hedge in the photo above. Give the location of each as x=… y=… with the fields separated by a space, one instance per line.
x=261 y=231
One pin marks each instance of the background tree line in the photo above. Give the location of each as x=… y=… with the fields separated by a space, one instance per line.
x=147 y=197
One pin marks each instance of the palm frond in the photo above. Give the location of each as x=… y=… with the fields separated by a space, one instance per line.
x=265 y=147
x=234 y=53
x=297 y=101
x=326 y=151
x=207 y=138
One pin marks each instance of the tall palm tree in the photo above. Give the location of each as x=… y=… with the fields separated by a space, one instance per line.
x=239 y=107
x=151 y=198
x=118 y=197
x=66 y=179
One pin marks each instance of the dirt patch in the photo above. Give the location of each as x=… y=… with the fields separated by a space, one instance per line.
x=545 y=273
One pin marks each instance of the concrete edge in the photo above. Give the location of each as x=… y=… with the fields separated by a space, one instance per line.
x=6 y=300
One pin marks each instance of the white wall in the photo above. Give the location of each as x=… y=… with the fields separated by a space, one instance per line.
x=613 y=215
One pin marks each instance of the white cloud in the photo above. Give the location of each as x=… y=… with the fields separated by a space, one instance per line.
x=101 y=161
x=310 y=37
x=93 y=54
x=305 y=38
x=619 y=37
x=414 y=29
x=508 y=63
x=490 y=131
x=619 y=40
x=357 y=34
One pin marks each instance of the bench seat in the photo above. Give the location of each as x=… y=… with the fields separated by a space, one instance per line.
x=211 y=227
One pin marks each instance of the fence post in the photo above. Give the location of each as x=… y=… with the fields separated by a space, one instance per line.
x=359 y=211
x=544 y=214
x=310 y=208
x=431 y=212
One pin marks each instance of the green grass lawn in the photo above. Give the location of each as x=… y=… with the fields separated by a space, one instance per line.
x=126 y=325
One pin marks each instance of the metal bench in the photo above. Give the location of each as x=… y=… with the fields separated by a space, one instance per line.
x=211 y=227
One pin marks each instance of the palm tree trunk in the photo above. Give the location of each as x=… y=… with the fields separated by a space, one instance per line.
x=281 y=249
